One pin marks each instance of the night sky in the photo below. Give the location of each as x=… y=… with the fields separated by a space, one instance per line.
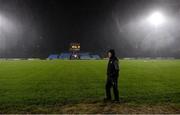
x=37 y=28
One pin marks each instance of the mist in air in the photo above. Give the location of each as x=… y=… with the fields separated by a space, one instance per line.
x=134 y=28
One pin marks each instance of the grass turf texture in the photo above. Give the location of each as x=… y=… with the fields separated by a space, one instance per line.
x=45 y=86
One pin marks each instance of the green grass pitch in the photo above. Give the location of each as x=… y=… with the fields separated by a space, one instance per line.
x=50 y=83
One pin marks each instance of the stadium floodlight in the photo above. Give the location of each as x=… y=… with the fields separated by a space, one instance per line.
x=156 y=19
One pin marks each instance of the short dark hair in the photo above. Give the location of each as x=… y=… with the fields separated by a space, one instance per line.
x=112 y=51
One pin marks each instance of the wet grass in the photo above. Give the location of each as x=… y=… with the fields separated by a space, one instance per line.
x=26 y=85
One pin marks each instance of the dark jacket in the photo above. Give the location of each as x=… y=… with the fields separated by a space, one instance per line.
x=113 y=67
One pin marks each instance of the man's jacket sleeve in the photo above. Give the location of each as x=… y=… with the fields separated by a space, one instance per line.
x=116 y=66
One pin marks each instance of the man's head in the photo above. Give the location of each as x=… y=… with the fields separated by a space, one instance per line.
x=111 y=53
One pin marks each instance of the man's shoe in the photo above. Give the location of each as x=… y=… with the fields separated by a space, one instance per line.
x=116 y=101
x=107 y=99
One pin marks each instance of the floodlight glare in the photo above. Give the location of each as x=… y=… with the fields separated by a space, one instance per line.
x=0 y=20
x=156 y=19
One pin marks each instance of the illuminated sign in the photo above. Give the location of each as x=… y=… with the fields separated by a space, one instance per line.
x=75 y=47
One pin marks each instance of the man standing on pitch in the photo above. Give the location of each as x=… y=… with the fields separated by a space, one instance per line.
x=112 y=76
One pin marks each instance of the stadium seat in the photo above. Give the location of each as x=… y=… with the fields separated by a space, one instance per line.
x=65 y=56
x=97 y=57
x=85 y=56
x=53 y=56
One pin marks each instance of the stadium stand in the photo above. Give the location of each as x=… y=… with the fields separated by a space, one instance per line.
x=64 y=56
x=85 y=56
x=53 y=56
x=97 y=57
